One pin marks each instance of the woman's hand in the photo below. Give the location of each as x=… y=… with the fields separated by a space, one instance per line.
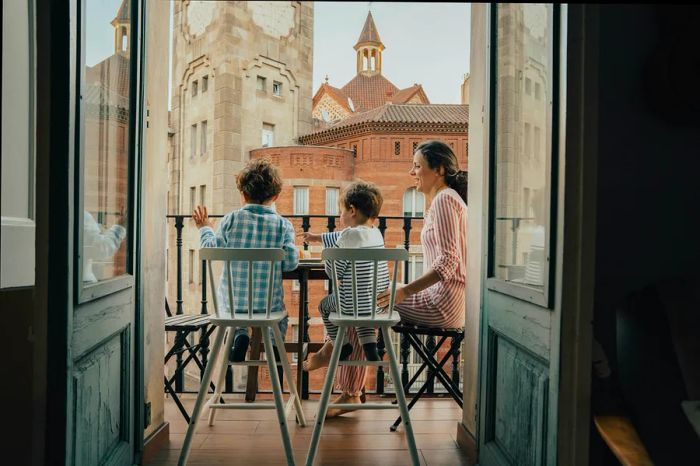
x=385 y=296
x=308 y=237
x=201 y=217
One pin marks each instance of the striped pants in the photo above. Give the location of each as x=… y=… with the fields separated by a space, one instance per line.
x=326 y=306
x=416 y=309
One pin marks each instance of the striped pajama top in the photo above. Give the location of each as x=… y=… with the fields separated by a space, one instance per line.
x=357 y=237
x=444 y=240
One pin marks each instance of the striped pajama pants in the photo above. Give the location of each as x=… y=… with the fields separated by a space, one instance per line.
x=440 y=306
x=326 y=306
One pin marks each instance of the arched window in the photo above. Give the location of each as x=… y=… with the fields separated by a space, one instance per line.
x=413 y=203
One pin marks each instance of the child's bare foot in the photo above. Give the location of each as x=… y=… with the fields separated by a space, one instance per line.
x=344 y=398
x=319 y=359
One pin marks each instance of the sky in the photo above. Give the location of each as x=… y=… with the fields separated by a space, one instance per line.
x=426 y=43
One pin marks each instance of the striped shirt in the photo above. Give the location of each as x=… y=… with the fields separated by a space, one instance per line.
x=357 y=237
x=252 y=226
x=444 y=239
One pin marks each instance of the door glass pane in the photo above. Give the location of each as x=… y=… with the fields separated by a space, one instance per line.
x=105 y=97
x=523 y=62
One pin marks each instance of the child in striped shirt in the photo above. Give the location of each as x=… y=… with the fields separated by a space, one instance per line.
x=255 y=225
x=360 y=203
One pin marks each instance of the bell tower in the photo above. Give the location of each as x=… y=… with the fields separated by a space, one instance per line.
x=369 y=49
x=122 y=29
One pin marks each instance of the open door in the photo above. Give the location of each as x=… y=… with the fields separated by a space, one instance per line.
x=92 y=271
x=521 y=289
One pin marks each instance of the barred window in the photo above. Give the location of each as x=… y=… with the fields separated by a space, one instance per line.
x=415 y=144
x=397 y=148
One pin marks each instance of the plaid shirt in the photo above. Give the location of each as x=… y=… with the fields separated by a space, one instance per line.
x=252 y=226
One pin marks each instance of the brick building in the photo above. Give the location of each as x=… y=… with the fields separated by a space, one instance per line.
x=367 y=129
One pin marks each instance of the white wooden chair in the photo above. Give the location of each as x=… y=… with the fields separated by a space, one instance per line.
x=350 y=318
x=226 y=325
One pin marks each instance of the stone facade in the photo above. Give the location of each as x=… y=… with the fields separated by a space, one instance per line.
x=242 y=74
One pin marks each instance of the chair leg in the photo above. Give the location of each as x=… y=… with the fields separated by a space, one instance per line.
x=440 y=373
x=277 y=390
x=203 y=389
x=287 y=371
x=325 y=396
x=401 y=397
x=222 y=373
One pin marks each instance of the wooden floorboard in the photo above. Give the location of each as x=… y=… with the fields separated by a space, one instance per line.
x=361 y=438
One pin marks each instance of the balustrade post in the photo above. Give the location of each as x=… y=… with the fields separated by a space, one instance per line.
x=305 y=226
x=203 y=309
x=179 y=336
x=178 y=242
x=331 y=224
x=455 y=361
x=430 y=345
x=406 y=244
x=382 y=229
x=381 y=349
x=405 y=354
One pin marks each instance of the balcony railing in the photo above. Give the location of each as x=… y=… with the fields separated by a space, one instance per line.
x=409 y=362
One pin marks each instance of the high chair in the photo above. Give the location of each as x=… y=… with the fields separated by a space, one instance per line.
x=383 y=320
x=226 y=324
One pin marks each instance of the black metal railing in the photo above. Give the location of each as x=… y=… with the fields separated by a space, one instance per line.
x=382 y=386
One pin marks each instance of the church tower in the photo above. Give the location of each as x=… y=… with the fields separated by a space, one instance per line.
x=369 y=49
x=122 y=29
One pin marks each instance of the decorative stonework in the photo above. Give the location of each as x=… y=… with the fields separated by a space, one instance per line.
x=198 y=15
x=274 y=18
x=333 y=108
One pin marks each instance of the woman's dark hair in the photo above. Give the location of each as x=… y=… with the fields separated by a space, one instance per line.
x=259 y=180
x=364 y=196
x=438 y=154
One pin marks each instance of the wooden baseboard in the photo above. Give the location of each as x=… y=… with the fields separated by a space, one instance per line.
x=467 y=443
x=155 y=442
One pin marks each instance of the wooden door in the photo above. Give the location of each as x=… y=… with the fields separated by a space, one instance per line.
x=102 y=395
x=519 y=375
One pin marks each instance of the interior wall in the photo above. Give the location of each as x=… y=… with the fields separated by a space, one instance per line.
x=478 y=140
x=154 y=194
x=648 y=160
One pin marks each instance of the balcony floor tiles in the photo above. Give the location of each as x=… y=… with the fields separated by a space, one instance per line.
x=357 y=439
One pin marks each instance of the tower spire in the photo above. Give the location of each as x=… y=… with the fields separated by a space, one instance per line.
x=369 y=49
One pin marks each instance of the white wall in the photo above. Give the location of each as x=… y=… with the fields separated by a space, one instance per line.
x=154 y=189
x=476 y=250
x=17 y=208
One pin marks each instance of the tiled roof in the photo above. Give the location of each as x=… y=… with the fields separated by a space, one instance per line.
x=369 y=32
x=397 y=116
x=404 y=95
x=411 y=113
x=368 y=92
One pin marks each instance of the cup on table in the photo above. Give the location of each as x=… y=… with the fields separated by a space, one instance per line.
x=305 y=254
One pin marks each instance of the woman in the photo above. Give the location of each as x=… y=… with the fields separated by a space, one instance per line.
x=435 y=299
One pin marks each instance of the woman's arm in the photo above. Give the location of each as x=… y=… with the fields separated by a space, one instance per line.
x=428 y=279
x=445 y=213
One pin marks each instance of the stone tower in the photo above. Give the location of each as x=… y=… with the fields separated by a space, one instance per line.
x=241 y=79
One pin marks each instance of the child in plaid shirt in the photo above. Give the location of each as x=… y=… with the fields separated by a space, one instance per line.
x=255 y=225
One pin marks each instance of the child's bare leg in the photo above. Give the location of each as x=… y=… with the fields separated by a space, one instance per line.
x=319 y=359
x=344 y=398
